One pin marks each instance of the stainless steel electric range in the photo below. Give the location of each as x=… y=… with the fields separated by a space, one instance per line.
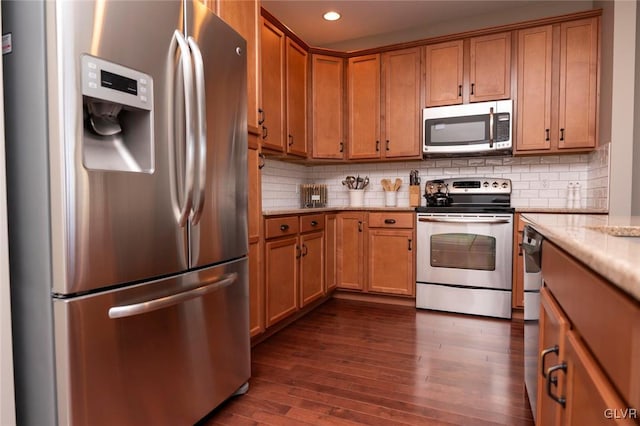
x=464 y=247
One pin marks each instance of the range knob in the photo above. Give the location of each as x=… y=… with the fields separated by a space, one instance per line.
x=494 y=184
x=486 y=184
x=505 y=185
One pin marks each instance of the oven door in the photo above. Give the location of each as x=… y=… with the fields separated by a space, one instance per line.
x=465 y=249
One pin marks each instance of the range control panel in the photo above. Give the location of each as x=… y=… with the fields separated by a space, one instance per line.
x=478 y=185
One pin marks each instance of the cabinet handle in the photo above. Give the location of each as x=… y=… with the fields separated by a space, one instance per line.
x=561 y=134
x=389 y=221
x=387 y=145
x=554 y=380
x=305 y=250
x=261 y=162
x=284 y=227
x=377 y=146
x=547 y=135
x=410 y=245
x=460 y=90
x=261 y=119
x=298 y=252
x=359 y=226
x=290 y=140
x=552 y=350
x=314 y=223
x=473 y=87
x=265 y=132
x=341 y=146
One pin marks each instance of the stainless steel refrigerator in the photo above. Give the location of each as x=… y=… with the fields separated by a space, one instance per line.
x=126 y=154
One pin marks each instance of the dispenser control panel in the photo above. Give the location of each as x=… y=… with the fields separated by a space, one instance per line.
x=114 y=83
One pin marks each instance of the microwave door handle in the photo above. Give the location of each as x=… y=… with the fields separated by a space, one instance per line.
x=491 y=127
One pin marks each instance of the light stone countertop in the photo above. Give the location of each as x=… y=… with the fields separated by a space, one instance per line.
x=336 y=209
x=583 y=236
x=560 y=210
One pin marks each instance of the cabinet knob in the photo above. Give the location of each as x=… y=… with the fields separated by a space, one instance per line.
x=410 y=248
x=261 y=162
x=561 y=134
x=551 y=379
x=314 y=223
x=284 y=227
x=377 y=146
x=473 y=88
x=552 y=350
x=265 y=132
x=305 y=250
x=387 y=145
x=341 y=146
x=290 y=140
x=261 y=119
x=547 y=135
x=298 y=252
x=359 y=226
x=460 y=90
x=389 y=221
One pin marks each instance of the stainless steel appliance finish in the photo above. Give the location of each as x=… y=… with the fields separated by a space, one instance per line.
x=478 y=128
x=126 y=153
x=531 y=253
x=464 y=247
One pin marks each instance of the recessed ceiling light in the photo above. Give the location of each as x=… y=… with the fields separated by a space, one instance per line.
x=331 y=16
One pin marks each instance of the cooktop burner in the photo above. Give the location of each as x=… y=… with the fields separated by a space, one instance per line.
x=476 y=195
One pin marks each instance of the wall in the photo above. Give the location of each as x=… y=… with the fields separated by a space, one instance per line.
x=540 y=181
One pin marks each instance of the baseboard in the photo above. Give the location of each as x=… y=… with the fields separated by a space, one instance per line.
x=375 y=298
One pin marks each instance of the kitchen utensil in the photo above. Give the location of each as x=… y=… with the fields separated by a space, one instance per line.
x=359 y=181
x=386 y=184
x=366 y=182
x=397 y=184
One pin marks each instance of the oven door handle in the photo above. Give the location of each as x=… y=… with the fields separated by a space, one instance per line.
x=463 y=220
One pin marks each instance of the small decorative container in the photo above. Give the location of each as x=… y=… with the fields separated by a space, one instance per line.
x=356 y=197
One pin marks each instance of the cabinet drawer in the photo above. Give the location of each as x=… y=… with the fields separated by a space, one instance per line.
x=311 y=222
x=280 y=226
x=391 y=220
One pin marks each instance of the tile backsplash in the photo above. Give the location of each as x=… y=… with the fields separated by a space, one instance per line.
x=538 y=181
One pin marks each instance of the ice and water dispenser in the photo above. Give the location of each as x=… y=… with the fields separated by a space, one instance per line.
x=117 y=105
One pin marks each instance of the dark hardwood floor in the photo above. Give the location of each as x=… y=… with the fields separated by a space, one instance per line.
x=354 y=363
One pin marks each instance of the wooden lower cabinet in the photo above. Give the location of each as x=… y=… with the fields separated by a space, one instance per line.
x=311 y=267
x=330 y=251
x=589 y=335
x=350 y=229
x=281 y=278
x=390 y=262
x=517 y=293
x=256 y=291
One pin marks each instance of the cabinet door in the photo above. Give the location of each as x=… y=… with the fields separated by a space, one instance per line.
x=296 y=95
x=254 y=185
x=281 y=278
x=533 y=127
x=443 y=72
x=553 y=326
x=517 y=297
x=364 y=107
x=351 y=250
x=590 y=399
x=272 y=62
x=256 y=291
x=490 y=67
x=402 y=112
x=327 y=74
x=243 y=17
x=578 y=83
x=331 y=249
x=311 y=267
x=391 y=264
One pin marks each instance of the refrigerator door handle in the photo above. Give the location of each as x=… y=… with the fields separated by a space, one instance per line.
x=187 y=71
x=201 y=103
x=140 y=308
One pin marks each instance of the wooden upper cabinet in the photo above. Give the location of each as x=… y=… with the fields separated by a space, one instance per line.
x=470 y=70
x=578 y=83
x=296 y=98
x=444 y=73
x=557 y=75
x=364 y=106
x=273 y=76
x=490 y=67
x=534 y=69
x=402 y=112
x=327 y=108
x=243 y=16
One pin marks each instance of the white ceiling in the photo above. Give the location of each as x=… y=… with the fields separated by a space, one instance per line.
x=366 y=24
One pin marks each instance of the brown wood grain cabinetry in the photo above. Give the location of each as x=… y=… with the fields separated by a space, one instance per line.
x=311 y=267
x=243 y=16
x=596 y=370
x=388 y=82
x=256 y=284
x=331 y=251
x=350 y=230
x=557 y=69
x=517 y=291
x=296 y=98
x=273 y=86
x=455 y=73
x=281 y=278
x=327 y=108
x=256 y=290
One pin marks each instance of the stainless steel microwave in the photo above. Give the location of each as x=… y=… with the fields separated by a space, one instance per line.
x=469 y=129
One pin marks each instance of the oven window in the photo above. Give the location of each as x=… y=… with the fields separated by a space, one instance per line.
x=463 y=251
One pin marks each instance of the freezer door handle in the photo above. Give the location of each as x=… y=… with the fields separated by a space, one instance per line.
x=201 y=104
x=139 y=308
x=187 y=71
